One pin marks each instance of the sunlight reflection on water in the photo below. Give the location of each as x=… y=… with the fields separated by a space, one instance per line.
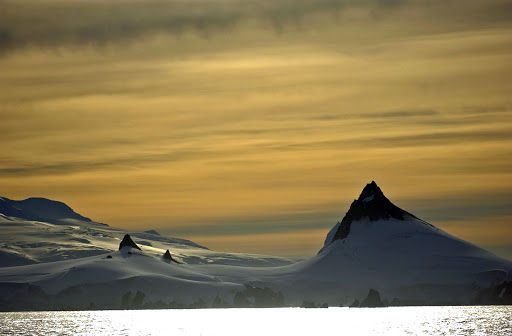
x=489 y=320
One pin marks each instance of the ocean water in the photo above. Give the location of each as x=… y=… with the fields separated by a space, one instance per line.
x=473 y=320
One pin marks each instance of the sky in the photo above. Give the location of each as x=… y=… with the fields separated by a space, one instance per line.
x=250 y=126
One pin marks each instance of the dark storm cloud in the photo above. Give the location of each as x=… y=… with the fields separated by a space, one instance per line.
x=49 y=23
x=57 y=23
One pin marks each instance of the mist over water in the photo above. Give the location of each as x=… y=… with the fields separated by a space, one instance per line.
x=469 y=320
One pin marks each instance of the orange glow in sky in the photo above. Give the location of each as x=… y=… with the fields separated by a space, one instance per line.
x=252 y=127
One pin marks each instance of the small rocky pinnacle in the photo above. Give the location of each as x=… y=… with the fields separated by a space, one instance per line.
x=127 y=241
x=168 y=256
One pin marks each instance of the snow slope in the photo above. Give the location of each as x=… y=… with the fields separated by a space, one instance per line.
x=103 y=281
x=376 y=246
x=68 y=235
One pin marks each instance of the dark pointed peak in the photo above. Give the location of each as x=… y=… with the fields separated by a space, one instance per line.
x=168 y=257
x=127 y=241
x=371 y=205
x=370 y=192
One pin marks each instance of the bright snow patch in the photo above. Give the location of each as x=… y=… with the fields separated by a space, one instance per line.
x=369 y=198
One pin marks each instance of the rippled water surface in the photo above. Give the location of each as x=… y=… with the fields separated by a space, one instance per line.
x=491 y=320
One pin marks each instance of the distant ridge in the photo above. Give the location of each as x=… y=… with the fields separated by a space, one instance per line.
x=39 y=209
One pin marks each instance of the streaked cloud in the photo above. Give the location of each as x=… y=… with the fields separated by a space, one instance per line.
x=225 y=118
x=404 y=114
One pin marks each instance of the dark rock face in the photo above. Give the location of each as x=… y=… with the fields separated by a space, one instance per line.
x=371 y=204
x=168 y=257
x=372 y=300
x=127 y=241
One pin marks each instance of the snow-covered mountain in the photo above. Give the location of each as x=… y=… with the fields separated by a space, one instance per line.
x=377 y=255
x=40 y=230
x=39 y=209
x=378 y=245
